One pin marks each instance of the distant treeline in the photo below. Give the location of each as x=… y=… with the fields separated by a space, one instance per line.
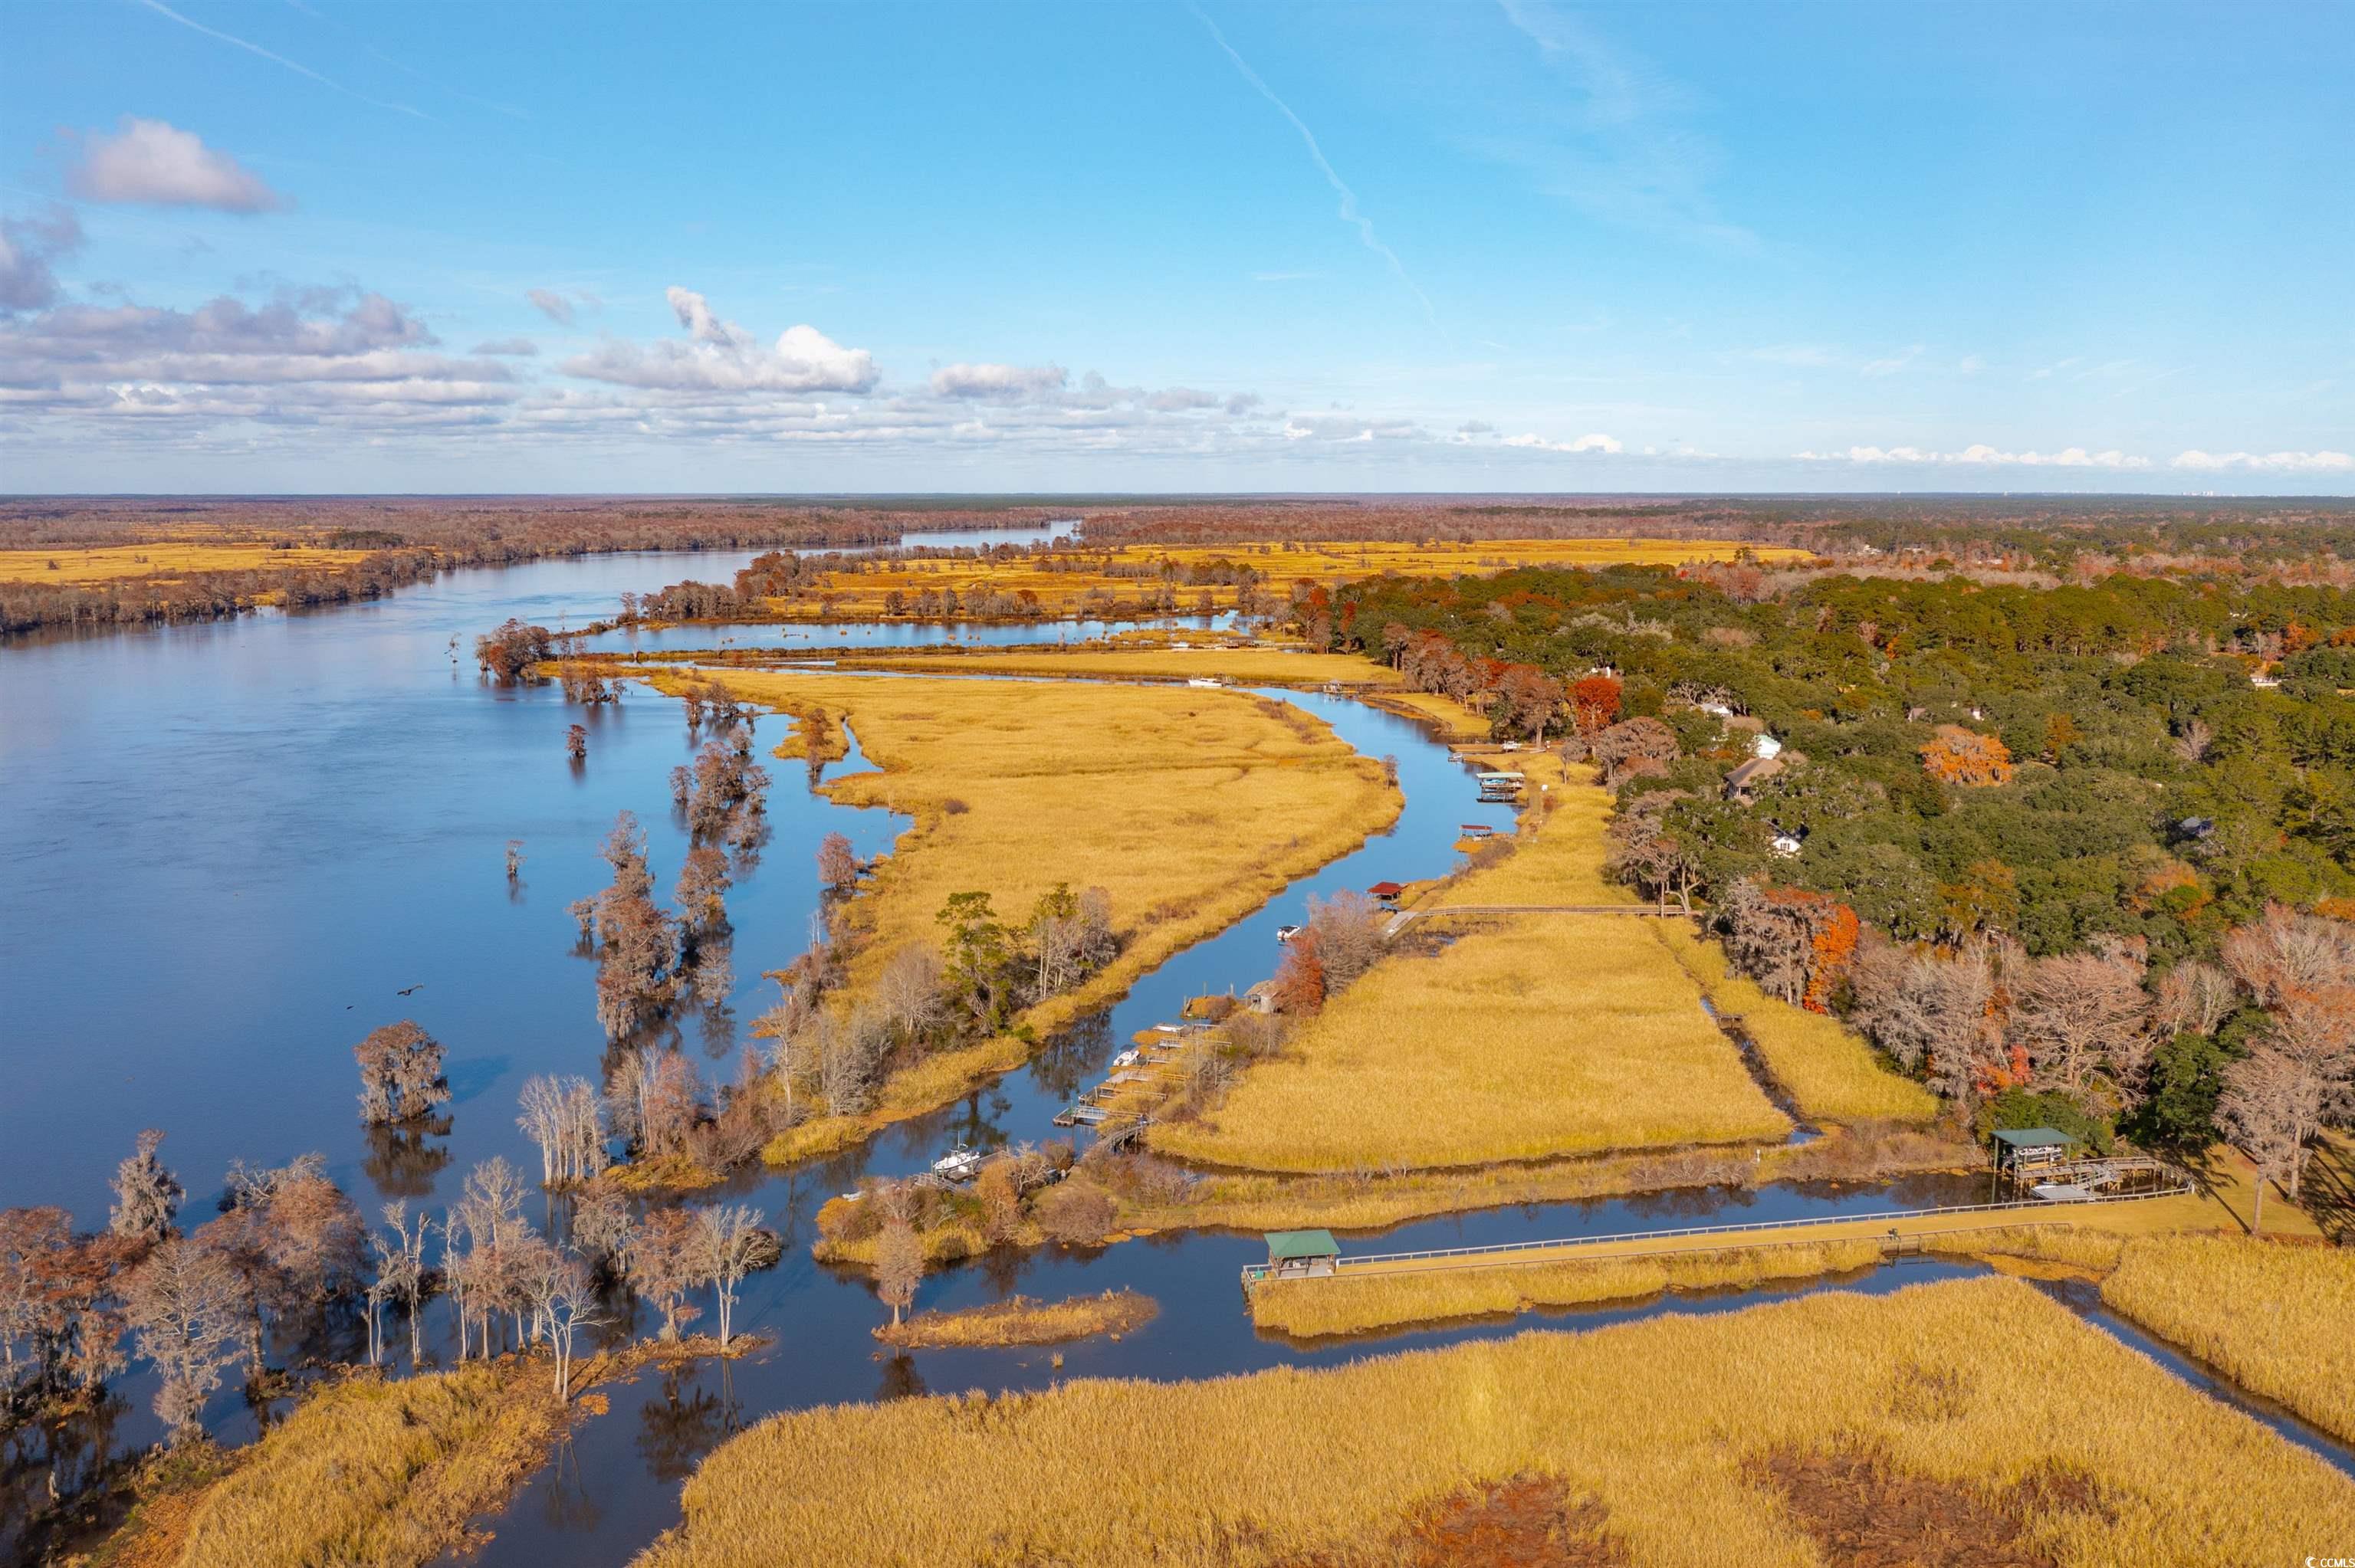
x=409 y=539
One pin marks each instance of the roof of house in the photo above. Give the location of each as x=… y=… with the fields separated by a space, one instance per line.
x=1756 y=767
x=1285 y=1245
x=1386 y=889
x=2035 y=1137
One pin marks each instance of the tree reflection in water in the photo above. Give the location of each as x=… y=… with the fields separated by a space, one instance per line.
x=57 y=1481
x=900 y=1380
x=565 y=1501
x=400 y=1162
x=689 y=1421
x=1073 y=1056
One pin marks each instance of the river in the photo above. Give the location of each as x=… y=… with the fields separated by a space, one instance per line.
x=233 y=848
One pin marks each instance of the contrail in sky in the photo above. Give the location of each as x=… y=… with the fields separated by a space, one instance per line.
x=300 y=69
x=1350 y=212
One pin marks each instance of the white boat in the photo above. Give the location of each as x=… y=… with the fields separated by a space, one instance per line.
x=1285 y=933
x=959 y=1164
x=1213 y=682
x=1126 y=1058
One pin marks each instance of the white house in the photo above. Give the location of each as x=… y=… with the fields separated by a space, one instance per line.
x=1764 y=744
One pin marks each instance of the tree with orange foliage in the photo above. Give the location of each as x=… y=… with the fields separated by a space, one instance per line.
x=1300 y=978
x=1958 y=756
x=1593 y=703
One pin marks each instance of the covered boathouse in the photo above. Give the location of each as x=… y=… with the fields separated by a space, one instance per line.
x=1294 y=1255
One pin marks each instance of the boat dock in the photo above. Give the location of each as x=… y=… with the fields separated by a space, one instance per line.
x=1143 y=1078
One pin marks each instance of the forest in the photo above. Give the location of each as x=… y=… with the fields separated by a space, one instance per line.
x=2079 y=855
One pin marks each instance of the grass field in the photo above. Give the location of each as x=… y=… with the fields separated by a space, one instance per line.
x=859 y=595
x=109 y=562
x=1529 y=1037
x=1829 y=1070
x=2277 y=1318
x=1190 y=808
x=1972 y=1394
x=1248 y=666
x=378 y=1472
x=1018 y=1320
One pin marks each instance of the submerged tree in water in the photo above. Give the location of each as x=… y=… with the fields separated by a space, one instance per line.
x=188 y=1314
x=400 y=1074
x=147 y=1196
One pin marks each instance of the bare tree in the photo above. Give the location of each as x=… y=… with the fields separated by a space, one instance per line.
x=2270 y=1106
x=400 y=1277
x=147 y=1196
x=702 y=892
x=727 y=1244
x=909 y=990
x=602 y=1224
x=837 y=865
x=661 y=1261
x=1634 y=739
x=400 y=1074
x=1924 y=1008
x=188 y=1314
x=2082 y=1013
x=566 y=1119
x=565 y=1303
x=898 y=1266
x=849 y=1052
x=1348 y=929
x=2194 y=996
x=656 y=1099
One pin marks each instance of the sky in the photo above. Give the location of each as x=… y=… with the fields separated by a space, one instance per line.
x=290 y=246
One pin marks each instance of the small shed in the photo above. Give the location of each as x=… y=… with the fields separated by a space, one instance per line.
x=1293 y=1254
x=2023 y=1152
x=1387 y=892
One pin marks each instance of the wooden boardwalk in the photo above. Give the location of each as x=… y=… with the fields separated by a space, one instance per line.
x=1405 y=917
x=1892 y=1228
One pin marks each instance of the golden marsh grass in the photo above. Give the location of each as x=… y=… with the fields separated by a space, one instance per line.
x=1662 y=1423
x=1018 y=1320
x=375 y=1472
x=1190 y=808
x=1250 y=666
x=2277 y=1319
x=1829 y=1070
x=859 y=595
x=1529 y=1037
x=112 y=563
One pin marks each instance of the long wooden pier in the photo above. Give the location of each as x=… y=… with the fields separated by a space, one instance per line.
x=1897 y=1227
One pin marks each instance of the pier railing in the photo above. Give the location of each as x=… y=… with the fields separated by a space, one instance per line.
x=1673 y=1240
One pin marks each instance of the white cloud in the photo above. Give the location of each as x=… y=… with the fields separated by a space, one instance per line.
x=1981 y=455
x=152 y=162
x=315 y=356
x=1000 y=382
x=552 y=306
x=1893 y=364
x=1972 y=365
x=27 y=246
x=516 y=347
x=723 y=357
x=1347 y=429
x=1587 y=443
x=2271 y=462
